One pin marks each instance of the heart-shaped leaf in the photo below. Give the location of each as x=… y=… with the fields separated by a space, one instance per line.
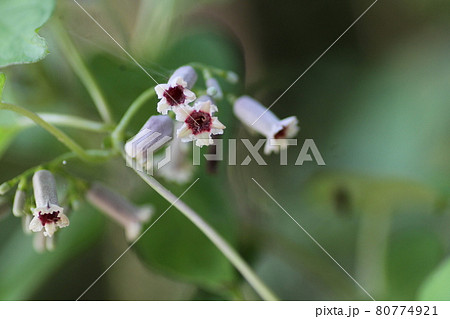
x=19 y=20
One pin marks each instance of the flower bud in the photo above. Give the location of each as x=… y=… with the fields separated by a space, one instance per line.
x=4 y=188
x=256 y=117
x=214 y=89
x=232 y=77
x=119 y=209
x=19 y=203
x=155 y=133
x=187 y=73
x=48 y=215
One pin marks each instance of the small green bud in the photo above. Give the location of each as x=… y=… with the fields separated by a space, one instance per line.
x=232 y=77
x=4 y=188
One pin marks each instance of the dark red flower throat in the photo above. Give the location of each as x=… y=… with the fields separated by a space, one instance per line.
x=198 y=122
x=175 y=95
x=49 y=218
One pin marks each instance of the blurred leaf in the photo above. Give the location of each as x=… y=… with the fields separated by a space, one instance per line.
x=8 y=129
x=397 y=119
x=19 y=20
x=176 y=247
x=345 y=193
x=2 y=84
x=23 y=270
x=437 y=287
x=412 y=255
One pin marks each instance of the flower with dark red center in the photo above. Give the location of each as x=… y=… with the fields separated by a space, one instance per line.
x=176 y=92
x=48 y=215
x=198 y=123
x=48 y=218
x=260 y=119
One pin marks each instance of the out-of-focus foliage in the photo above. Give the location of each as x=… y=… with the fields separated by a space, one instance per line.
x=436 y=286
x=19 y=20
x=376 y=105
x=24 y=270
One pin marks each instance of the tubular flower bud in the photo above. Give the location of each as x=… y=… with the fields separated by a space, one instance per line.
x=48 y=215
x=4 y=188
x=155 y=133
x=258 y=118
x=178 y=168
x=198 y=123
x=119 y=209
x=214 y=89
x=19 y=203
x=176 y=92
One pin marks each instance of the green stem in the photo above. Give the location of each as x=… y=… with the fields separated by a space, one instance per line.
x=372 y=246
x=98 y=155
x=118 y=133
x=60 y=135
x=69 y=121
x=78 y=66
x=237 y=261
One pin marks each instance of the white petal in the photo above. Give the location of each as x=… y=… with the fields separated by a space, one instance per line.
x=204 y=106
x=144 y=213
x=217 y=124
x=132 y=231
x=178 y=81
x=63 y=221
x=203 y=139
x=35 y=224
x=50 y=229
x=160 y=89
x=182 y=113
x=269 y=147
x=189 y=96
x=183 y=131
x=291 y=125
x=163 y=106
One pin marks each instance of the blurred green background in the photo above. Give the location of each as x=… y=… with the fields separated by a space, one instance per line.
x=377 y=106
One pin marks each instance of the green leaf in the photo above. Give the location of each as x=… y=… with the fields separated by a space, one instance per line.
x=23 y=270
x=437 y=287
x=19 y=22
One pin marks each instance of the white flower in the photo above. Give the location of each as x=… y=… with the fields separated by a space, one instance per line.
x=179 y=168
x=176 y=92
x=120 y=209
x=258 y=118
x=48 y=215
x=48 y=218
x=198 y=123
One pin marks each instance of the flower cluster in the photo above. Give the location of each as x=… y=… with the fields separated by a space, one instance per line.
x=198 y=120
